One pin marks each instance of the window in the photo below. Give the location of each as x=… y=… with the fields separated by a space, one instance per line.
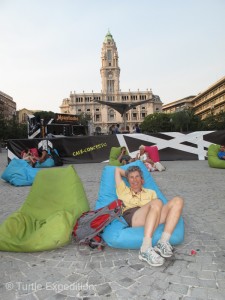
x=110 y=86
x=111 y=115
x=97 y=118
x=134 y=116
x=110 y=98
x=109 y=55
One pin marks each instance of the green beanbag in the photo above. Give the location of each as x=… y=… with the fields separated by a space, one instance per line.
x=213 y=160
x=113 y=156
x=46 y=219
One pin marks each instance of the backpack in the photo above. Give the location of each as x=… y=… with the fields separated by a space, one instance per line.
x=90 y=224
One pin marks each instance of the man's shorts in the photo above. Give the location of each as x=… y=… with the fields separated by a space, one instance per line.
x=128 y=215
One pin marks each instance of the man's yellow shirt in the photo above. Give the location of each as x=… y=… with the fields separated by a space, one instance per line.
x=131 y=199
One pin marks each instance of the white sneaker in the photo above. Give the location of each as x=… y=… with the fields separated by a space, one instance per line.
x=151 y=257
x=164 y=249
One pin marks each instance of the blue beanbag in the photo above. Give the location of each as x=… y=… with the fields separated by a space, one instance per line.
x=48 y=163
x=117 y=234
x=19 y=173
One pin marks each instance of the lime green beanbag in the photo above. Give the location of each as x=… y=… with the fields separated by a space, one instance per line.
x=213 y=160
x=46 y=219
x=114 y=153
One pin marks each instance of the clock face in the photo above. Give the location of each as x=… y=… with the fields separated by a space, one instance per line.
x=110 y=76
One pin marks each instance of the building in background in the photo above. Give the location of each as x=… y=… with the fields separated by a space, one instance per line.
x=7 y=106
x=178 y=105
x=104 y=116
x=23 y=114
x=210 y=101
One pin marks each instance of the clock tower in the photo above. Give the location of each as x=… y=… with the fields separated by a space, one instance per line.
x=110 y=71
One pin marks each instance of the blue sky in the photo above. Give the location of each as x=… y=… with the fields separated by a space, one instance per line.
x=51 y=47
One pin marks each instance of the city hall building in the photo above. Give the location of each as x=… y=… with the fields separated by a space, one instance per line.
x=142 y=103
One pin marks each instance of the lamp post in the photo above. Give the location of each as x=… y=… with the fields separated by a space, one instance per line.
x=171 y=124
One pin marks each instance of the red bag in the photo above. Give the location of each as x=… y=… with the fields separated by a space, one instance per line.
x=90 y=224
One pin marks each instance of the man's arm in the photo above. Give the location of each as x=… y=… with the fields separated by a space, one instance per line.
x=119 y=173
x=44 y=156
x=121 y=154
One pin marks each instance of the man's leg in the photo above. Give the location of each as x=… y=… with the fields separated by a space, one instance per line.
x=170 y=215
x=149 y=217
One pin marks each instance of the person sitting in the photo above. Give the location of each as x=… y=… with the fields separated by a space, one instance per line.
x=29 y=157
x=143 y=208
x=45 y=159
x=221 y=153
x=124 y=158
x=143 y=156
x=43 y=151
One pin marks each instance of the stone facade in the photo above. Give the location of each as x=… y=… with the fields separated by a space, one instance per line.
x=103 y=116
x=23 y=113
x=7 y=106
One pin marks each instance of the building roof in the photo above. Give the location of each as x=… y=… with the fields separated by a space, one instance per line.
x=180 y=101
x=108 y=37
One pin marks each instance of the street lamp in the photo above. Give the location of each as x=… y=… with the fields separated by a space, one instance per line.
x=171 y=124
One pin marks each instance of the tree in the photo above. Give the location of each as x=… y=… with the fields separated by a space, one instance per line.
x=84 y=118
x=181 y=120
x=11 y=129
x=45 y=115
x=156 y=122
x=213 y=121
x=184 y=120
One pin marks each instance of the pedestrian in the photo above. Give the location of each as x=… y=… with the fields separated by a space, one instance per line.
x=112 y=129
x=137 y=128
x=117 y=128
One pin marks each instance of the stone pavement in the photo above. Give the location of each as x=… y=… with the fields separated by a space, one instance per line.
x=118 y=274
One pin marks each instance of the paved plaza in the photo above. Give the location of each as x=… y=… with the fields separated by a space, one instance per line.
x=65 y=273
